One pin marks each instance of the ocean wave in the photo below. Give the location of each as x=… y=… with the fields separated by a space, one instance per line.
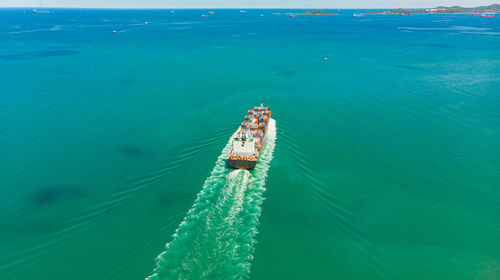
x=55 y=28
x=492 y=33
x=182 y=22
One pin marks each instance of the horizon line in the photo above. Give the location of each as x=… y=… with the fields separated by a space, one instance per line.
x=221 y=8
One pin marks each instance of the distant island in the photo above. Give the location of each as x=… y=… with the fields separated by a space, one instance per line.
x=314 y=12
x=495 y=8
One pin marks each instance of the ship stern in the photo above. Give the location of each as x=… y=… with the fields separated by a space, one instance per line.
x=242 y=164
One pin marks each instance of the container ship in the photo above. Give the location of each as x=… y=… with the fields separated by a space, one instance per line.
x=250 y=138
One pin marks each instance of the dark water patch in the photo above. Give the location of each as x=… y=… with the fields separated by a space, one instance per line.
x=442 y=46
x=287 y=73
x=52 y=195
x=46 y=196
x=40 y=54
x=284 y=72
x=64 y=72
x=132 y=151
x=16 y=56
x=410 y=67
x=50 y=53
x=125 y=81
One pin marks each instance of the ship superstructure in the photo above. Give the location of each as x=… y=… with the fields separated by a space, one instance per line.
x=250 y=138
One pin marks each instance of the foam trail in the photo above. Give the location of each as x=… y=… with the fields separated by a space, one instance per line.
x=216 y=239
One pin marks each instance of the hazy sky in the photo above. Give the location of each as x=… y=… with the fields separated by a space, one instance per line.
x=243 y=3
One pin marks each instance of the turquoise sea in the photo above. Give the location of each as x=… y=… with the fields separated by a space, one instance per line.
x=384 y=164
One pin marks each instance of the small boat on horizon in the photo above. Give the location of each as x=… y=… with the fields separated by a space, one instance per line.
x=45 y=12
x=405 y=14
x=359 y=14
x=488 y=15
x=242 y=11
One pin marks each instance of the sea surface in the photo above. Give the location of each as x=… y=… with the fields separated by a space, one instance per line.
x=384 y=162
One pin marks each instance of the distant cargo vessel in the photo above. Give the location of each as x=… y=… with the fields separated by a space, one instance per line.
x=250 y=138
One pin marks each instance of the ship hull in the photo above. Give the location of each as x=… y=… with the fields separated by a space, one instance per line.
x=242 y=164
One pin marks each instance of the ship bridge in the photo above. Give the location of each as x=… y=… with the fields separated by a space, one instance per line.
x=244 y=148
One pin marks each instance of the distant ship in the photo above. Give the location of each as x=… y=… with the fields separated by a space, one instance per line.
x=487 y=15
x=250 y=138
x=45 y=12
x=242 y=11
x=359 y=14
x=405 y=14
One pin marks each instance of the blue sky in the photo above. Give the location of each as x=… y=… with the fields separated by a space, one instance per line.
x=243 y=3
